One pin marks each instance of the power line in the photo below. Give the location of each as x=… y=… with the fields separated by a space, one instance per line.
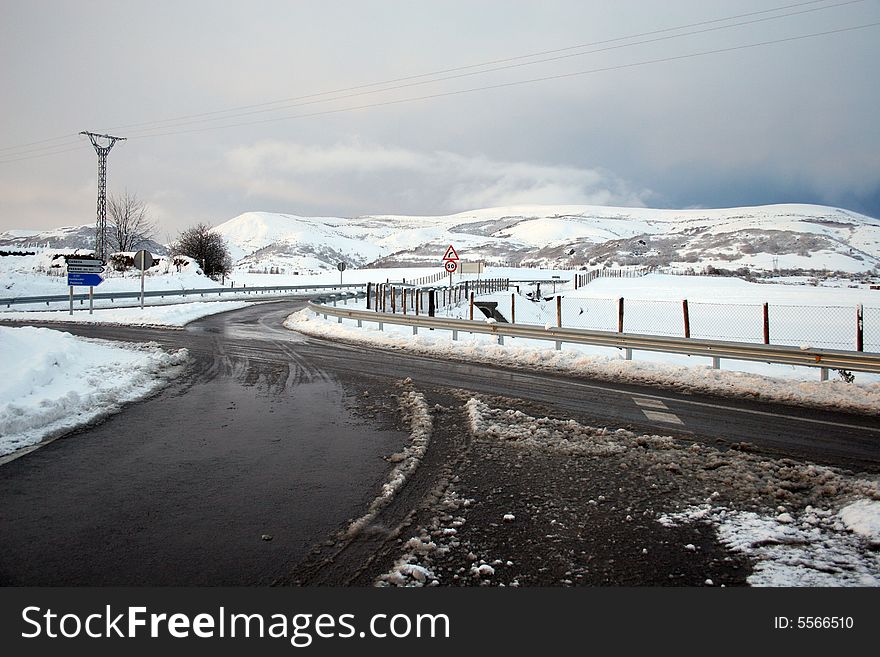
x=41 y=141
x=147 y=131
x=522 y=82
x=231 y=112
x=508 y=84
x=478 y=65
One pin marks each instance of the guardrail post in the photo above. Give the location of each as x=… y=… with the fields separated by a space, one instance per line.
x=454 y=334
x=860 y=328
x=620 y=315
x=716 y=363
x=687 y=318
x=628 y=354
x=766 y=323
x=823 y=373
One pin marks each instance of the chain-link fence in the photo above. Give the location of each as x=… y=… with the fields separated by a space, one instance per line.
x=828 y=327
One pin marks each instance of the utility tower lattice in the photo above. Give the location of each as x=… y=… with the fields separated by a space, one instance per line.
x=101 y=227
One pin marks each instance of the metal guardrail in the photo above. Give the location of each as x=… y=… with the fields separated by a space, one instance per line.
x=716 y=349
x=58 y=298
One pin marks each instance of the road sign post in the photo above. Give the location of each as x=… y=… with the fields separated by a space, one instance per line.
x=84 y=272
x=341 y=268
x=450 y=262
x=143 y=260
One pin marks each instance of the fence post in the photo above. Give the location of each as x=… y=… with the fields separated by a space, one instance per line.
x=766 y=323
x=559 y=311
x=620 y=315
x=513 y=308
x=472 y=307
x=860 y=328
x=403 y=300
x=687 y=318
x=431 y=303
x=393 y=301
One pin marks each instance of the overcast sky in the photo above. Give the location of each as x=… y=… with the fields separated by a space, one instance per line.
x=794 y=121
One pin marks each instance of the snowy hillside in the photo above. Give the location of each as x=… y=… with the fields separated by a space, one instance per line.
x=764 y=237
x=66 y=237
x=808 y=237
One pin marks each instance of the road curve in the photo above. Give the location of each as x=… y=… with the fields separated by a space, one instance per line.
x=271 y=443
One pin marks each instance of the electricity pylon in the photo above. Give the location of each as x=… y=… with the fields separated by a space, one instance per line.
x=102 y=151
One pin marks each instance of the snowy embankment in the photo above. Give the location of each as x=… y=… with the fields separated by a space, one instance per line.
x=52 y=381
x=860 y=398
x=406 y=462
x=172 y=315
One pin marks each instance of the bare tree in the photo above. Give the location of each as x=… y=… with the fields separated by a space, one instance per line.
x=205 y=247
x=129 y=224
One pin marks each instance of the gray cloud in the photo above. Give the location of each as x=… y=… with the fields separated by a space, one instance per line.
x=794 y=121
x=441 y=182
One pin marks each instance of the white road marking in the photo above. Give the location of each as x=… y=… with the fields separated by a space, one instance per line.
x=659 y=416
x=589 y=386
x=650 y=403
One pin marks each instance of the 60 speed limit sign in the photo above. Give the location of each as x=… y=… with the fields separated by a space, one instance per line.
x=451 y=266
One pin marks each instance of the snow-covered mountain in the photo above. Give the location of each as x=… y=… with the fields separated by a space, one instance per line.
x=768 y=237
x=67 y=237
x=763 y=237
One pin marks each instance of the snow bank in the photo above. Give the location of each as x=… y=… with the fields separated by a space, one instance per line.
x=860 y=398
x=813 y=548
x=416 y=408
x=169 y=315
x=53 y=382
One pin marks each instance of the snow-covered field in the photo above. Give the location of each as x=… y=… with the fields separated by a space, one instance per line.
x=51 y=382
x=719 y=308
x=811 y=322
x=170 y=315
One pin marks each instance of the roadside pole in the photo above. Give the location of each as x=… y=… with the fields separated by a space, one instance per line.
x=341 y=268
x=71 y=299
x=143 y=260
x=91 y=300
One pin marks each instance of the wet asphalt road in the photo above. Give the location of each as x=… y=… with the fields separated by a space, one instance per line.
x=180 y=488
x=267 y=434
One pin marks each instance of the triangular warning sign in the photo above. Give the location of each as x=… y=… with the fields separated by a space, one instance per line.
x=450 y=253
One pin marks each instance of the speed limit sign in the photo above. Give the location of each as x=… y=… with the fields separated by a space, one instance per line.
x=451 y=266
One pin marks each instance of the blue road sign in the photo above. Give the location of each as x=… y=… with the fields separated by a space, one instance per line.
x=89 y=280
